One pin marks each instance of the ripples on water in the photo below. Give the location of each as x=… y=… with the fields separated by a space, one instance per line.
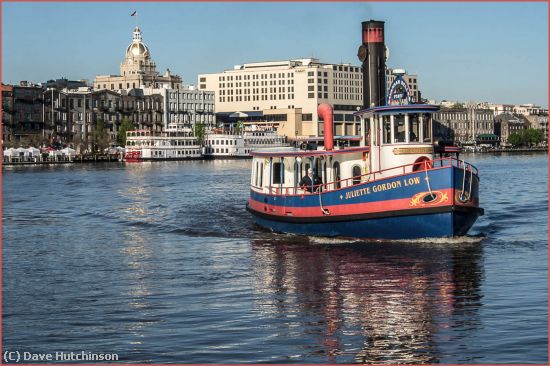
x=159 y=262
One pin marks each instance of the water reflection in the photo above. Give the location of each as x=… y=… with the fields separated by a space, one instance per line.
x=370 y=302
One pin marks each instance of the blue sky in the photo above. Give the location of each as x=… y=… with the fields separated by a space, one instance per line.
x=496 y=52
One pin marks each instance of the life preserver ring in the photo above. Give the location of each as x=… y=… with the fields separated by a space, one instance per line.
x=422 y=163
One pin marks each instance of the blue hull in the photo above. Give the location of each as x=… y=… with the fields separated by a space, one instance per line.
x=285 y=213
x=440 y=224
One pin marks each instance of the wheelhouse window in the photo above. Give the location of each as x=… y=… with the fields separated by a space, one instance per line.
x=386 y=129
x=399 y=128
x=427 y=127
x=414 y=128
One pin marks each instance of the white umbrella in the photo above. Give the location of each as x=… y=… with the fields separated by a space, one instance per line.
x=32 y=152
x=68 y=151
x=10 y=152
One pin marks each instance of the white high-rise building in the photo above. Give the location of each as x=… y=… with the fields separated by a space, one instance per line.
x=291 y=90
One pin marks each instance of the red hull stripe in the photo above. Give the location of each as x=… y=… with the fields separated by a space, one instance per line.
x=352 y=209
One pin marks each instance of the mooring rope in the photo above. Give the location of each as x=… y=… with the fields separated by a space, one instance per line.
x=427 y=178
x=325 y=211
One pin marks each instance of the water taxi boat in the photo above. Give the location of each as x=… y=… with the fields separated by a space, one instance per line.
x=392 y=186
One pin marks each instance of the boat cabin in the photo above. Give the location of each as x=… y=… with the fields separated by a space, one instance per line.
x=394 y=140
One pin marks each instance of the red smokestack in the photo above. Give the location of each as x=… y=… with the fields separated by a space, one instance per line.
x=324 y=111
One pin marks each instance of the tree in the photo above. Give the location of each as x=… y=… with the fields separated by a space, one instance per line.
x=515 y=139
x=125 y=125
x=100 y=136
x=199 y=131
x=458 y=106
x=239 y=127
x=532 y=136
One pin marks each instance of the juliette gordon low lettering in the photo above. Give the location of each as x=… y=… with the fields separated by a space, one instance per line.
x=383 y=187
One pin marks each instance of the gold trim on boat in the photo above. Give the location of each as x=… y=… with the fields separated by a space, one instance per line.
x=412 y=150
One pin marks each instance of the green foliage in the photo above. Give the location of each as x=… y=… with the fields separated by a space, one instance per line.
x=200 y=132
x=100 y=136
x=529 y=137
x=458 y=106
x=239 y=127
x=533 y=137
x=125 y=126
x=515 y=139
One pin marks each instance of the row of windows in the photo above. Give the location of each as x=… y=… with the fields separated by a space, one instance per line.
x=221 y=142
x=170 y=153
x=192 y=96
x=248 y=98
x=211 y=150
x=464 y=116
x=191 y=106
x=256 y=83
x=278 y=173
x=254 y=76
x=273 y=90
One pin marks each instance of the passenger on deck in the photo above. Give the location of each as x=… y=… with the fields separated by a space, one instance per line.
x=308 y=181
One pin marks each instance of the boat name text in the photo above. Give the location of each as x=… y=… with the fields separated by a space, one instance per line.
x=383 y=187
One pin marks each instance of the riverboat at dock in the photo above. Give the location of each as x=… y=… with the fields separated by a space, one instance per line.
x=225 y=145
x=176 y=142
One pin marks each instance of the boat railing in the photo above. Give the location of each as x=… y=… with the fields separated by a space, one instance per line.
x=375 y=176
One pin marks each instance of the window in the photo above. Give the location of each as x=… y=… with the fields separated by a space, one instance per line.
x=427 y=127
x=336 y=174
x=311 y=95
x=386 y=130
x=356 y=174
x=278 y=173
x=399 y=128
x=414 y=128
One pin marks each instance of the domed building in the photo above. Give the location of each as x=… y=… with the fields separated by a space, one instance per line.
x=138 y=70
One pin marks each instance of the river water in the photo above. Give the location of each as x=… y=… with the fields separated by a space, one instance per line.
x=160 y=262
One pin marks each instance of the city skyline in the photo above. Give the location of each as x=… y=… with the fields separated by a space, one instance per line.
x=495 y=52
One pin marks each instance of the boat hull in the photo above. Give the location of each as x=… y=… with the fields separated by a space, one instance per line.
x=384 y=209
x=419 y=225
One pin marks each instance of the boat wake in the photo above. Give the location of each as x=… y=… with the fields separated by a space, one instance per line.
x=450 y=241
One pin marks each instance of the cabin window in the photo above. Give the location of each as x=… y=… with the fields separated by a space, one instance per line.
x=336 y=174
x=399 y=128
x=278 y=173
x=256 y=173
x=414 y=128
x=356 y=174
x=386 y=129
x=427 y=127
x=261 y=175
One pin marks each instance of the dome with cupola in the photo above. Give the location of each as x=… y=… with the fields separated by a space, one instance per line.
x=137 y=47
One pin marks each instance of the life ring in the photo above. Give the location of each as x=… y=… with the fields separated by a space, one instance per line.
x=421 y=163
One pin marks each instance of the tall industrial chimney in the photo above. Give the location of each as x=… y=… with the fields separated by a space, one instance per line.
x=372 y=53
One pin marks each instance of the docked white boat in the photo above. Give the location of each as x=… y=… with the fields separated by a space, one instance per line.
x=176 y=142
x=219 y=144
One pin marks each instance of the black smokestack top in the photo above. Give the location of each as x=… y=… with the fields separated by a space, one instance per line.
x=373 y=55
